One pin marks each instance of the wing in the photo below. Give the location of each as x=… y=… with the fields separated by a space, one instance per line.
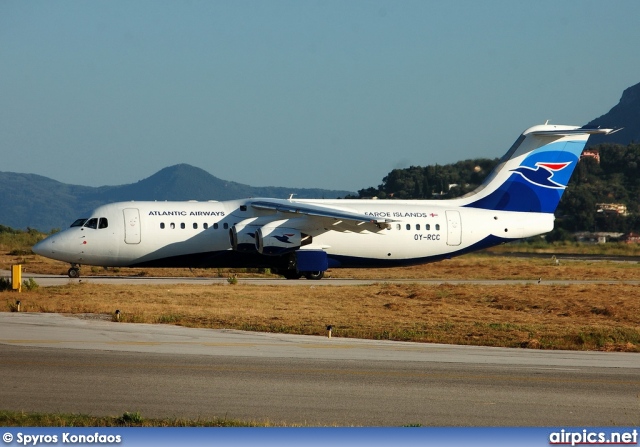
x=331 y=217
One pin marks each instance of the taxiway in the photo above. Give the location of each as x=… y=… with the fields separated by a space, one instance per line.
x=56 y=363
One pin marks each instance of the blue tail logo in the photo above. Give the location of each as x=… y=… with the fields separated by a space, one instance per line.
x=537 y=183
x=535 y=171
x=541 y=175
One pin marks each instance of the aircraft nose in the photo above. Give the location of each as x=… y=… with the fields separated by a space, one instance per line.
x=44 y=247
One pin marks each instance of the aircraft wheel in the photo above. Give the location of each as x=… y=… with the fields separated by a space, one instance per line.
x=292 y=274
x=73 y=272
x=314 y=275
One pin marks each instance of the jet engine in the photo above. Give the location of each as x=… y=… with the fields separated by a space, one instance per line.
x=243 y=237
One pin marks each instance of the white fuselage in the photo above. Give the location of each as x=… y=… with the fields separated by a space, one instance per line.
x=294 y=237
x=197 y=233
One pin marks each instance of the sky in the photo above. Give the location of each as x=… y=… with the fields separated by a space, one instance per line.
x=305 y=94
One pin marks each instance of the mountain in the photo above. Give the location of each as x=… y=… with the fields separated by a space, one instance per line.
x=34 y=201
x=28 y=200
x=624 y=114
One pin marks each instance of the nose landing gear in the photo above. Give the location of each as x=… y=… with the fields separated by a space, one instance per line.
x=74 y=271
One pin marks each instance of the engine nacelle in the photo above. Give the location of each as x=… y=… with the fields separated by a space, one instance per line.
x=243 y=237
x=273 y=240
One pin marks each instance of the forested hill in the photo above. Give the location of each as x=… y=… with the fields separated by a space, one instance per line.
x=433 y=181
x=615 y=179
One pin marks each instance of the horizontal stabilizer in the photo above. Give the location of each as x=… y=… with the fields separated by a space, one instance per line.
x=580 y=131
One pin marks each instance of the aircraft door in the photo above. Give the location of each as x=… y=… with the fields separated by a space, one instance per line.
x=131 y=225
x=454 y=228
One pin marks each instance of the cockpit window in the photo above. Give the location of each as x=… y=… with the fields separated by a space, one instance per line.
x=92 y=223
x=79 y=222
x=104 y=223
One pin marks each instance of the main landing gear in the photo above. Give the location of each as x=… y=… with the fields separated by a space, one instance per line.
x=314 y=275
x=295 y=274
x=74 y=271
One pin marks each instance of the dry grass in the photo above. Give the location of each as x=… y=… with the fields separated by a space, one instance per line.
x=584 y=317
x=475 y=266
x=609 y=249
x=135 y=419
x=589 y=317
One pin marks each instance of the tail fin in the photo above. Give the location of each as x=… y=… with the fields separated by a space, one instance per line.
x=534 y=173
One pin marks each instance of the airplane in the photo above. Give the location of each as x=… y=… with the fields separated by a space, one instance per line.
x=306 y=237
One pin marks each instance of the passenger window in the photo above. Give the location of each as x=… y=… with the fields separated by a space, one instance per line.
x=427 y=227
x=205 y=225
x=92 y=223
x=398 y=226
x=104 y=223
x=172 y=225
x=408 y=226
x=437 y=227
x=226 y=226
x=195 y=226
x=215 y=226
x=162 y=225
x=418 y=227
x=182 y=225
